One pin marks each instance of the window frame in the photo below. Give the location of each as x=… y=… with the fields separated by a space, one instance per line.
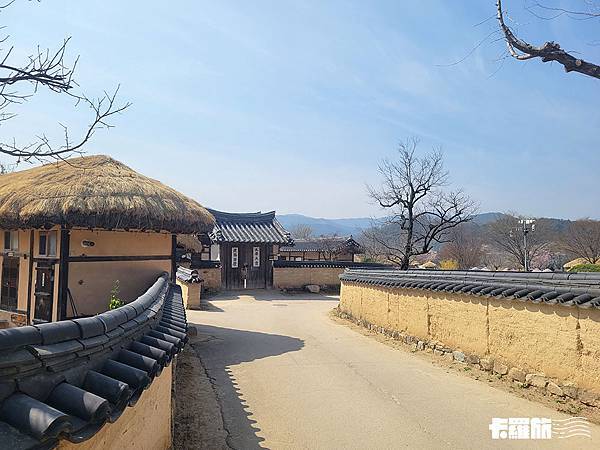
x=13 y=238
x=49 y=237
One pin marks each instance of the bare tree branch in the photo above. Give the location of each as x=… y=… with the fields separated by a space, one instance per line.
x=582 y=240
x=550 y=51
x=48 y=69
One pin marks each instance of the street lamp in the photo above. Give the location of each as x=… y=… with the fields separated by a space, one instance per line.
x=527 y=226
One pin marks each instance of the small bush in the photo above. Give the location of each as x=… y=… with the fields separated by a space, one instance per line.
x=585 y=268
x=449 y=264
x=115 y=302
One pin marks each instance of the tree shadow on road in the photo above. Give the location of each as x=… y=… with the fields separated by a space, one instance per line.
x=219 y=349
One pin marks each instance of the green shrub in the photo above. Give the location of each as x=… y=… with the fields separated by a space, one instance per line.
x=585 y=268
x=115 y=302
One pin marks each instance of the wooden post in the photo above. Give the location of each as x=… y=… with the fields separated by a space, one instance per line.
x=30 y=280
x=63 y=272
x=173 y=257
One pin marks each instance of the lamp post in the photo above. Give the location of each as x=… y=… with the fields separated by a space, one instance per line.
x=527 y=226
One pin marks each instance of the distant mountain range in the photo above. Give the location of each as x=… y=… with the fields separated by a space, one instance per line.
x=353 y=226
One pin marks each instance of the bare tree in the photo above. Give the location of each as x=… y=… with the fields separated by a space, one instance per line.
x=302 y=231
x=582 y=240
x=19 y=81
x=505 y=234
x=465 y=246
x=331 y=246
x=549 y=51
x=422 y=212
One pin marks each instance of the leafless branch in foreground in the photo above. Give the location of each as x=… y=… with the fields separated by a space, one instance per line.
x=48 y=69
x=550 y=51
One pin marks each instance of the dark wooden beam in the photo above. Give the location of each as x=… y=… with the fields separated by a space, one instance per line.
x=173 y=257
x=63 y=273
x=110 y=258
x=30 y=280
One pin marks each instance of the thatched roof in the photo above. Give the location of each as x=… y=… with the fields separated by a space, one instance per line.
x=96 y=192
x=189 y=242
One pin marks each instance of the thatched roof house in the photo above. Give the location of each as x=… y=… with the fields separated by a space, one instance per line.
x=77 y=230
x=96 y=192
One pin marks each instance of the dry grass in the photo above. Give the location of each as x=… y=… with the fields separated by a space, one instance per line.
x=96 y=192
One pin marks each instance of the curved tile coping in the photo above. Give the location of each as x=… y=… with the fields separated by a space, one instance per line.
x=68 y=379
x=281 y=263
x=188 y=275
x=567 y=289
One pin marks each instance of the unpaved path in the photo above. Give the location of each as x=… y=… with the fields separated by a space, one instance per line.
x=288 y=377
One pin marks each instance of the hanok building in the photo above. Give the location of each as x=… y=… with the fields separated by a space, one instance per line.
x=245 y=244
x=327 y=248
x=73 y=229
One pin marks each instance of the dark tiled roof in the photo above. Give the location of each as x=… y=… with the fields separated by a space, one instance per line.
x=248 y=227
x=188 y=275
x=567 y=289
x=323 y=244
x=328 y=264
x=68 y=379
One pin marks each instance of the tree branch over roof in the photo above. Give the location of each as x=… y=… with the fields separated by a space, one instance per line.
x=550 y=51
x=49 y=69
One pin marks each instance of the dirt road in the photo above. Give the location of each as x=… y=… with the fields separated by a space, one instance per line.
x=288 y=377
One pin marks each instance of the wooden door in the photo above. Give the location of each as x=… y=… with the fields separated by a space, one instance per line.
x=44 y=293
x=255 y=261
x=10 y=283
x=244 y=262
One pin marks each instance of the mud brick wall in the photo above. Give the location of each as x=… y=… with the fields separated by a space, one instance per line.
x=298 y=277
x=556 y=340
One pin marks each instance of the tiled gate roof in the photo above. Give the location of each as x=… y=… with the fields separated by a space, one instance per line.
x=68 y=379
x=248 y=227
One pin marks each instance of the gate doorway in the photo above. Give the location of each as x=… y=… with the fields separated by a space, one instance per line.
x=44 y=293
x=10 y=283
x=244 y=262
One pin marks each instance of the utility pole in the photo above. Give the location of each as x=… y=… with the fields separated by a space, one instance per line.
x=527 y=226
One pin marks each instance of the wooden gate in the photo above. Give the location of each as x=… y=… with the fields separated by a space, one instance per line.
x=10 y=282
x=44 y=293
x=245 y=261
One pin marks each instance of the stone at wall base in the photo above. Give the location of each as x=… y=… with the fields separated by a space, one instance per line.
x=473 y=359
x=589 y=398
x=570 y=389
x=516 y=375
x=500 y=369
x=458 y=356
x=314 y=288
x=536 y=379
x=486 y=364
x=555 y=389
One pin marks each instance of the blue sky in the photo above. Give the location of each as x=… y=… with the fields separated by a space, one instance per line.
x=290 y=105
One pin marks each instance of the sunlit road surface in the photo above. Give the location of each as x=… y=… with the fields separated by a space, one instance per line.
x=288 y=377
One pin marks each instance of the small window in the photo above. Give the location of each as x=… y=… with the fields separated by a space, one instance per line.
x=234 y=257
x=47 y=243
x=256 y=257
x=11 y=241
x=298 y=258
